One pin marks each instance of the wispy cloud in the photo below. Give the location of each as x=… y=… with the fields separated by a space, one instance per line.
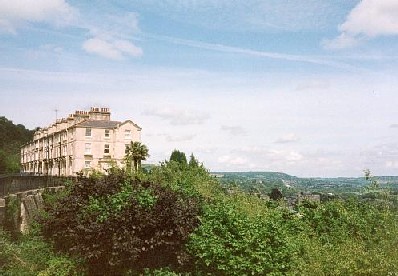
x=250 y=15
x=177 y=116
x=248 y=52
x=369 y=19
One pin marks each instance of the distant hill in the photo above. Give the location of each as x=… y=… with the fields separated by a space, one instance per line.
x=265 y=181
x=11 y=138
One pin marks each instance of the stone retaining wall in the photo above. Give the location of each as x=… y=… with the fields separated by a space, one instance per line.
x=18 y=210
x=12 y=184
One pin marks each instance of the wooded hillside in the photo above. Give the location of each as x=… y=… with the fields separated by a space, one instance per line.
x=11 y=138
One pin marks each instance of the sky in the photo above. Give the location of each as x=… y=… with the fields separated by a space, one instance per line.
x=305 y=87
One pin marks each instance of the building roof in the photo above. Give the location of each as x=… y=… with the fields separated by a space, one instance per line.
x=99 y=124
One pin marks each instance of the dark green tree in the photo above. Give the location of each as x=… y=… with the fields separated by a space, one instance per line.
x=179 y=157
x=193 y=162
x=276 y=194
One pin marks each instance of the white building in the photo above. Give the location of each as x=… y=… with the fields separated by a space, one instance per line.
x=84 y=141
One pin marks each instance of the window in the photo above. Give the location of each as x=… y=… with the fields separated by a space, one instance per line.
x=106 y=149
x=127 y=134
x=88 y=132
x=87 y=164
x=87 y=148
x=106 y=133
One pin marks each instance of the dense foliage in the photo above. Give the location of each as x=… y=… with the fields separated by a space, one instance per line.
x=350 y=237
x=11 y=138
x=232 y=241
x=118 y=223
x=31 y=255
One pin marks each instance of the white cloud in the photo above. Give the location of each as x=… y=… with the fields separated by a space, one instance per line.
x=229 y=161
x=369 y=19
x=128 y=48
x=294 y=156
x=179 y=138
x=343 y=41
x=392 y=164
x=288 y=138
x=14 y=13
x=373 y=18
x=177 y=116
x=112 y=49
x=111 y=26
x=270 y=156
x=234 y=130
x=111 y=35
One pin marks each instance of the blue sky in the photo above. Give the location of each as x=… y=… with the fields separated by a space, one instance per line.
x=304 y=87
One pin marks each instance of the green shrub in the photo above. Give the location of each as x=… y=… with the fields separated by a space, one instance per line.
x=232 y=241
x=192 y=180
x=116 y=224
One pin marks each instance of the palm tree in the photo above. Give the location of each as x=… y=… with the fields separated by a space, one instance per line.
x=136 y=152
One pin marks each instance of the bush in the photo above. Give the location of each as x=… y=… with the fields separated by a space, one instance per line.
x=117 y=223
x=192 y=180
x=232 y=241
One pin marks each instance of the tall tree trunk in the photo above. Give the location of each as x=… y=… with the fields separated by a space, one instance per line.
x=135 y=165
